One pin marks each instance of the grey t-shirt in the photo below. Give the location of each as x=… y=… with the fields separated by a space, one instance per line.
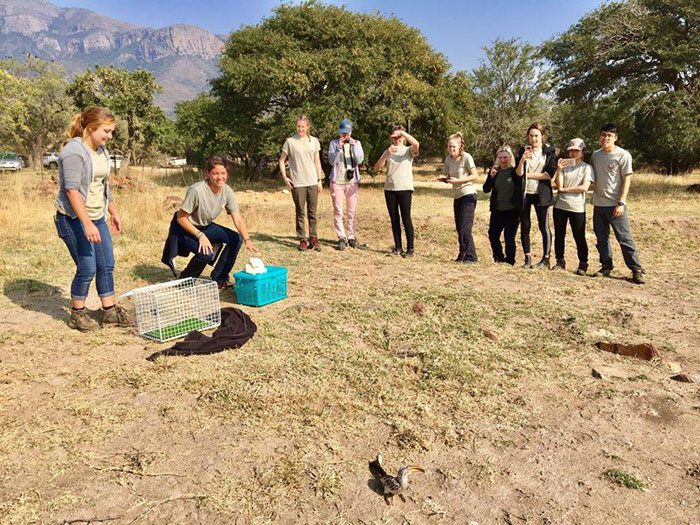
x=571 y=177
x=300 y=156
x=399 y=175
x=609 y=170
x=204 y=205
x=460 y=168
x=536 y=165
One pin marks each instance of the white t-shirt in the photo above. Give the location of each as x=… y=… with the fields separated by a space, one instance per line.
x=571 y=177
x=534 y=165
x=95 y=202
x=460 y=168
x=399 y=175
x=609 y=170
x=300 y=156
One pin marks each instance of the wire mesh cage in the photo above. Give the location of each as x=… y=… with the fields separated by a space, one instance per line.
x=171 y=310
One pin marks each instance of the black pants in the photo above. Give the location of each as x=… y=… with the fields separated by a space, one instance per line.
x=505 y=222
x=399 y=205
x=542 y=213
x=578 y=229
x=465 y=207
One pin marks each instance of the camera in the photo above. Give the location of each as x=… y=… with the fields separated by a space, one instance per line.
x=349 y=174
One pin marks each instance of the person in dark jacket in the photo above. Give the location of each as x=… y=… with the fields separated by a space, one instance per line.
x=536 y=164
x=506 y=200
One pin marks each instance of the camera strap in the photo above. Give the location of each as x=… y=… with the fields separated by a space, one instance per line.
x=349 y=162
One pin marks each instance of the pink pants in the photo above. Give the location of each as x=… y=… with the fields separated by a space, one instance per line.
x=346 y=193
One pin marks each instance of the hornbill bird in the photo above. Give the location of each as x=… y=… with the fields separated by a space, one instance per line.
x=392 y=485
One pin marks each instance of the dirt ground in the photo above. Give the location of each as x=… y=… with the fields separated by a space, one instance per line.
x=481 y=374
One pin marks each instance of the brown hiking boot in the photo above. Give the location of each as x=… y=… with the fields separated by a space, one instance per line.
x=80 y=320
x=303 y=245
x=117 y=316
x=315 y=245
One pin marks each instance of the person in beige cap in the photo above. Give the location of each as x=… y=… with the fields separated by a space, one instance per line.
x=573 y=177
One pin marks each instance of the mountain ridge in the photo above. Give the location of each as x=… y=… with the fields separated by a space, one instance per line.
x=183 y=57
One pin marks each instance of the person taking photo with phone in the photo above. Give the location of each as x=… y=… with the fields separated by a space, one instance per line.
x=573 y=177
x=460 y=172
x=506 y=200
x=398 y=188
x=536 y=164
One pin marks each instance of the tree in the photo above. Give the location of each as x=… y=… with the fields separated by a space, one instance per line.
x=510 y=86
x=129 y=95
x=330 y=63
x=638 y=60
x=36 y=109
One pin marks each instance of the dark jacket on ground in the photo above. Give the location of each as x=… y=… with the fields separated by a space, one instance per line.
x=235 y=331
x=490 y=186
x=544 y=188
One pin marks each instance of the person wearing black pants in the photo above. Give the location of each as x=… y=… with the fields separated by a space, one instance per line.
x=460 y=171
x=398 y=204
x=398 y=189
x=536 y=164
x=506 y=198
x=573 y=177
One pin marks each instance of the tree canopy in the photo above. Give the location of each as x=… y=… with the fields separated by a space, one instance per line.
x=636 y=62
x=330 y=63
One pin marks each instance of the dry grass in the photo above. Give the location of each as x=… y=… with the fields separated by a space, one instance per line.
x=280 y=430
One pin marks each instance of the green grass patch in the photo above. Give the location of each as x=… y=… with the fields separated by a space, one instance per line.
x=624 y=479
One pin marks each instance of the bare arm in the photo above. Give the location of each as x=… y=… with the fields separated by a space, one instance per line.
x=319 y=169
x=183 y=219
x=283 y=170
x=382 y=160
x=415 y=145
x=238 y=221
x=626 y=180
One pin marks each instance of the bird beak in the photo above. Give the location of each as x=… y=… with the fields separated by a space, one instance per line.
x=415 y=468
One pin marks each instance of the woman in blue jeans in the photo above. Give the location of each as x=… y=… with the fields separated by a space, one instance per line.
x=197 y=231
x=82 y=203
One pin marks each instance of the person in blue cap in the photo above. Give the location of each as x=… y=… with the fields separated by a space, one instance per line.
x=345 y=155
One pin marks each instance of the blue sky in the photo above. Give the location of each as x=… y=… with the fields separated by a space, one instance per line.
x=459 y=30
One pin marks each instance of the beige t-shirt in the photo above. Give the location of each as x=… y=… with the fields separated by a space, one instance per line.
x=460 y=168
x=534 y=165
x=399 y=175
x=609 y=169
x=300 y=156
x=204 y=205
x=95 y=202
x=571 y=177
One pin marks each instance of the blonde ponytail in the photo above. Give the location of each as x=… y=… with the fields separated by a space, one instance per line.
x=87 y=121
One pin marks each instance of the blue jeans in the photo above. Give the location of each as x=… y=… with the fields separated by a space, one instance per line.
x=91 y=260
x=603 y=220
x=216 y=235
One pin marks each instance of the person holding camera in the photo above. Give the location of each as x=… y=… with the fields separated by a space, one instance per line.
x=398 y=188
x=305 y=181
x=460 y=171
x=345 y=155
x=612 y=170
x=573 y=177
x=506 y=199
x=536 y=164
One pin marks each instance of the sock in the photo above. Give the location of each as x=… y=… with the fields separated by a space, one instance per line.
x=108 y=307
x=77 y=309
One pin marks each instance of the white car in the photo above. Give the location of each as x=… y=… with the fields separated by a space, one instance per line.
x=174 y=162
x=10 y=161
x=50 y=160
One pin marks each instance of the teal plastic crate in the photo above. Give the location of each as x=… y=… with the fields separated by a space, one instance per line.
x=261 y=289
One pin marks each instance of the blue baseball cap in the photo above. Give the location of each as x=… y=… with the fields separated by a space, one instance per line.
x=345 y=126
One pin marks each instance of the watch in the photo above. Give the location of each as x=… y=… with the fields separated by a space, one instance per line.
x=621 y=203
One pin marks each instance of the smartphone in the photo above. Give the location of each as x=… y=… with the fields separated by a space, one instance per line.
x=567 y=163
x=528 y=147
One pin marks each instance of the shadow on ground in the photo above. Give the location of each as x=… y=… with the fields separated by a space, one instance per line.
x=153 y=274
x=37 y=296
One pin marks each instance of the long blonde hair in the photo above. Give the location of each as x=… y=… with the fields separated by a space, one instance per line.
x=507 y=150
x=457 y=136
x=87 y=121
